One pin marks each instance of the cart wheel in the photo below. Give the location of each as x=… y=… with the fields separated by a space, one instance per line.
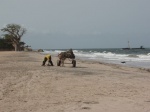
x=58 y=62
x=74 y=63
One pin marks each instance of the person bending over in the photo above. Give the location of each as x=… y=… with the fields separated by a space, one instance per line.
x=49 y=58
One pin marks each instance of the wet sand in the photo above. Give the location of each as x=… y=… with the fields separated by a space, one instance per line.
x=26 y=86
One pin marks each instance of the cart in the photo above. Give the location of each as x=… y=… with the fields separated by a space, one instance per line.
x=66 y=55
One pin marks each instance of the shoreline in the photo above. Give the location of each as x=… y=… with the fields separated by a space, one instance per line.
x=106 y=62
x=25 y=85
x=126 y=59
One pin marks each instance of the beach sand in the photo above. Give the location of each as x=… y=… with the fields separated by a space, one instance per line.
x=26 y=86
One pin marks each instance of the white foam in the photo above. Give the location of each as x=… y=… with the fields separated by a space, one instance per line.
x=148 y=54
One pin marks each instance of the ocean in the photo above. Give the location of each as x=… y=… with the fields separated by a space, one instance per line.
x=133 y=58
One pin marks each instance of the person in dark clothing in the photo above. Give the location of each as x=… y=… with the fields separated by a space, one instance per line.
x=70 y=54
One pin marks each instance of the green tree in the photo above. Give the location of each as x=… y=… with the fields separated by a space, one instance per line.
x=5 y=44
x=14 y=32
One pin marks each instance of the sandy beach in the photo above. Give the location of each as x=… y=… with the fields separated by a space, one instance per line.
x=26 y=86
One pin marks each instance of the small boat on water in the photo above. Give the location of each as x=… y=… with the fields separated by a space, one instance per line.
x=133 y=48
x=129 y=48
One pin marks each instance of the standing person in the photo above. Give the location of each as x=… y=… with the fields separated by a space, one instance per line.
x=49 y=58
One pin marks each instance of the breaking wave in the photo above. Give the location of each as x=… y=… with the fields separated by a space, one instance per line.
x=105 y=55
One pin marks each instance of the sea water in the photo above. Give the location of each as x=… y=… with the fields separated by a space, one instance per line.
x=132 y=57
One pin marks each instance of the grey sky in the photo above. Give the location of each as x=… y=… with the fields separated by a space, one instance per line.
x=80 y=23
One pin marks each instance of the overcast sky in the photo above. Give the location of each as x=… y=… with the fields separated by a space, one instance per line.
x=56 y=24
